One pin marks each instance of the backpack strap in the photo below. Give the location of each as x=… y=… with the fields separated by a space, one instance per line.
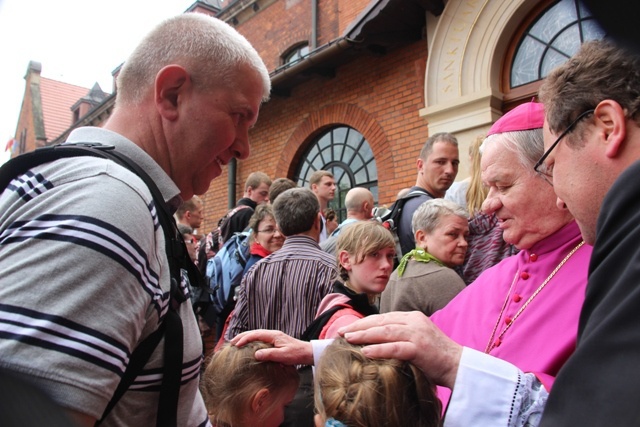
x=176 y=249
x=345 y=311
x=315 y=328
x=171 y=326
x=391 y=219
x=225 y=222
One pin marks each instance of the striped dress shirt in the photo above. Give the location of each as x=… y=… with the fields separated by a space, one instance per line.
x=283 y=290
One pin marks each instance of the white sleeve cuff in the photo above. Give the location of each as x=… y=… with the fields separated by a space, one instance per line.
x=483 y=394
x=318 y=347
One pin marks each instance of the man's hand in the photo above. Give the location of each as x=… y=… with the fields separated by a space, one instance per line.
x=288 y=350
x=408 y=336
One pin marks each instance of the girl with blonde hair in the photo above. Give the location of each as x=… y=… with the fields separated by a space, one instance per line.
x=356 y=391
x=365 y=252
x=240 y=391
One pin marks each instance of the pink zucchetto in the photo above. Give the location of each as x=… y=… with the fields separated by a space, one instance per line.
x=526 y=116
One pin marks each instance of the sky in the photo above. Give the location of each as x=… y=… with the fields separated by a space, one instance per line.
x=77 y=41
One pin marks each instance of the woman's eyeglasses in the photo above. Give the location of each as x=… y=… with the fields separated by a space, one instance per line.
x=268 y=231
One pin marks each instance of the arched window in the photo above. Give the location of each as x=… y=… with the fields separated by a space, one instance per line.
x=345 y=153
x=552 y=39
x=546 y=40
x=295 y=54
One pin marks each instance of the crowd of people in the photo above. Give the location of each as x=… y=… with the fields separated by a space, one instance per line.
x=513 y=303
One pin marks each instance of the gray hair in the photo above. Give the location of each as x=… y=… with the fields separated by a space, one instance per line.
x=208 y=48
x=427 y=216
x=296 y=210
x=527 y=144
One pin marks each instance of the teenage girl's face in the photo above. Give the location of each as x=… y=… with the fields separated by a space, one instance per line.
x=372 y=273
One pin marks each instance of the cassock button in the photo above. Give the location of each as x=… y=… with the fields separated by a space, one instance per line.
x=497 y=342
x=533 y=257
x=524 y=275
x=507 y=320
x=517 y=298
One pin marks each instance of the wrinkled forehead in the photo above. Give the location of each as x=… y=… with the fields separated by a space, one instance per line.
x=499 y=162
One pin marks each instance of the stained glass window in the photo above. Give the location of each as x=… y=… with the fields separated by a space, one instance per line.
x=345 y=153
x=552 y=39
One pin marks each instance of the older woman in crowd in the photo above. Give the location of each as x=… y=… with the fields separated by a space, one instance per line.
x=425 y=280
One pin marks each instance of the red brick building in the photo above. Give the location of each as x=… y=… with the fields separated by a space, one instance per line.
x=49 y=108
x=376 y=78
x=358 y=85
x=365 y=78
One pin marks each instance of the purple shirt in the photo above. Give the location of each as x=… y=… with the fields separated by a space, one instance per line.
x=544 y=335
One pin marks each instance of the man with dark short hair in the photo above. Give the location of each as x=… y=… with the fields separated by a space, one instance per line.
x=191 y=214
x=279 y=186
x=323 y=186
x=437 y=168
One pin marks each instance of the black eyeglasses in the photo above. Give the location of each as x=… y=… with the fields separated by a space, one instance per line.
x=548 y=174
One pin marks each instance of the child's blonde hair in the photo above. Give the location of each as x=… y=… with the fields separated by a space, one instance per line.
x=362 y=392
x=233 y=376
x=361 y=239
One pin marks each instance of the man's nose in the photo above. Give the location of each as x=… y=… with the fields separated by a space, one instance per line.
x=241 y=148
x=561 y=204
x=491 y=203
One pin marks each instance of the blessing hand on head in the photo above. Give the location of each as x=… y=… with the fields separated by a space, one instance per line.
x=409 y=336
x=287 y=350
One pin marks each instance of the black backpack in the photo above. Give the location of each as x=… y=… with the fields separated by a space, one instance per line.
x=391 y=218
x=171 y=326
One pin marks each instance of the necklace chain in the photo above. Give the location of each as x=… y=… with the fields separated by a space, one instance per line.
x=495 y=342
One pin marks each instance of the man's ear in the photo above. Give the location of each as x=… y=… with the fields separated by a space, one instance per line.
x=366 y=208
x=170 y=85
x=419 y=164
x=260 y=400
x=612 y=125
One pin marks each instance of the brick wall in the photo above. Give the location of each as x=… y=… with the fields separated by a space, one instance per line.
x=378 y=96
x=349 y=11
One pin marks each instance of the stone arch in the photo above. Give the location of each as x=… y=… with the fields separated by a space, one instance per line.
x=466 y=53
x=338 y=114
